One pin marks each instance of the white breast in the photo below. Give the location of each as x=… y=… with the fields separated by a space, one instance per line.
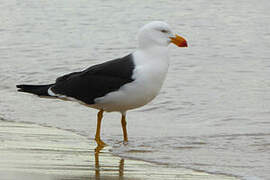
x=149 y=74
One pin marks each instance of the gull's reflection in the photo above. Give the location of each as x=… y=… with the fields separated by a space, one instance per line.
x=98 y=168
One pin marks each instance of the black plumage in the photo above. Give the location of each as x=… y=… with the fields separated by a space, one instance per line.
x=40 y=90
x=94 y=82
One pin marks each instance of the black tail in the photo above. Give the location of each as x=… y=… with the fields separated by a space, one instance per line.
x=40 y=90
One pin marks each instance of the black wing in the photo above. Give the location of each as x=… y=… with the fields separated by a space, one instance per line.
x=96 y=81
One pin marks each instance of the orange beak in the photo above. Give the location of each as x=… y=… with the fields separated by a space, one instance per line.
x=179 y=41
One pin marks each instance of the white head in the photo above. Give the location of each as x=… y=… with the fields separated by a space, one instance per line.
x=158 y=33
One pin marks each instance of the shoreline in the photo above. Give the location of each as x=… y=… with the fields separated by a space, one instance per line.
x=31 y=151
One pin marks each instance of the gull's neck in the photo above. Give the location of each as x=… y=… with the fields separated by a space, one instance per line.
x=155 y=53
x=154 y=59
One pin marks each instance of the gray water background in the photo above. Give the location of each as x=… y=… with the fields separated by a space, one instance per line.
x=213 y=113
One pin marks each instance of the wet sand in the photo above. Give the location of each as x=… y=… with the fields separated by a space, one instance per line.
x=31 y=151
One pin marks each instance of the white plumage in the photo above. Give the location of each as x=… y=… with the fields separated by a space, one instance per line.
x=151 y=66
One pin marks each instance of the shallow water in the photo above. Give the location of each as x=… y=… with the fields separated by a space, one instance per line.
x=213 y=112
x=31 y=152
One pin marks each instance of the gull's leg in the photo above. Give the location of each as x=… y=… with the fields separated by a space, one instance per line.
x=97 y=138
x=124 y=127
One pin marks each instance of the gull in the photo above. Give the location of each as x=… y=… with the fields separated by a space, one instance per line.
x=120 y=84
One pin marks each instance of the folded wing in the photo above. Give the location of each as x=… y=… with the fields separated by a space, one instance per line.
x=96 y=81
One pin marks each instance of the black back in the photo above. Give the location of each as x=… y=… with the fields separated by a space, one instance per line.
x=96 y=81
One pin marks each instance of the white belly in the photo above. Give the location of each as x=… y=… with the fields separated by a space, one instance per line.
x=148 y=77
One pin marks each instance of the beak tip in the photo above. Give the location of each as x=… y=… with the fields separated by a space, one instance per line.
x=184 y=44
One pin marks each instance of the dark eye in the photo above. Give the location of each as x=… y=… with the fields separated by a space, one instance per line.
x=164 y=31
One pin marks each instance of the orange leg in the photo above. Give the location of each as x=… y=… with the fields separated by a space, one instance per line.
x=97 y=138
x=124 y=127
